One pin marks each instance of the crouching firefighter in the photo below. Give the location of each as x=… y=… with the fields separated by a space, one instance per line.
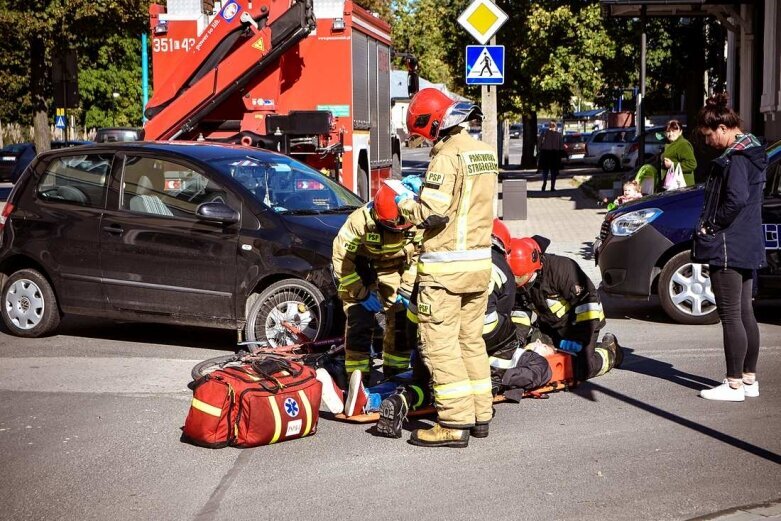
x=371 y=253
x=501 y=343
x=566 y=304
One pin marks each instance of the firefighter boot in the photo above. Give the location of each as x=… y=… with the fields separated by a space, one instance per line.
x=393 y=412
x=439 y=436
x=480 y=430
x=610 y=342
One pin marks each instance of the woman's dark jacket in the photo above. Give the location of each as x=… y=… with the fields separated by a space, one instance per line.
x=729 y=232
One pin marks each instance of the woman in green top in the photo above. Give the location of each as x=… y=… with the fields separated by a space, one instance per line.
x=678 y=150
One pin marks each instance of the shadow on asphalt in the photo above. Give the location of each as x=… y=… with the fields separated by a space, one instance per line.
x=590 y=389
x=144 y=333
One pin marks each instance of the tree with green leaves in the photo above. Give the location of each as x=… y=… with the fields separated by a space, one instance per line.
x=41 y=30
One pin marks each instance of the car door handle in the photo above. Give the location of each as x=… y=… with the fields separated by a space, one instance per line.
x=114 y=228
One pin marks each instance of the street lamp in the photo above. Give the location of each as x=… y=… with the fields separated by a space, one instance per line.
x=115 y=96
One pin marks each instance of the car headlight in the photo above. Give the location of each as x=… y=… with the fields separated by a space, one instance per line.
x=629 y=223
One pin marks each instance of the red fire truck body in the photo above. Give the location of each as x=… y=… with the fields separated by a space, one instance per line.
x=310 y=79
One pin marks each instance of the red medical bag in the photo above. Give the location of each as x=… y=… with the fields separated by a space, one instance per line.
x=252 y=405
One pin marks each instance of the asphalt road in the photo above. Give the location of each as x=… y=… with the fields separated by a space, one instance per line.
x=90 y=423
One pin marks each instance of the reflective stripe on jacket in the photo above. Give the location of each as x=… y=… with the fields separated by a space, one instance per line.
x=360 y=236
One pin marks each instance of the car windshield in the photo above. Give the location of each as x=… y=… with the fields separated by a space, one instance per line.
x=286 y=186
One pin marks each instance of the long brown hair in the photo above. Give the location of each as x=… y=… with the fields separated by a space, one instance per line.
x=716 y=113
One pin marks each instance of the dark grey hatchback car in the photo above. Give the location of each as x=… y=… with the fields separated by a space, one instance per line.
x=186 y=233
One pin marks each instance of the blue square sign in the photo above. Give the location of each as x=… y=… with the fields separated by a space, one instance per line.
x=485 y=64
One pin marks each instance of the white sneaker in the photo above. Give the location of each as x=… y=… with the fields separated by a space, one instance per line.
x=751 y=391
x=331 y=397
x=724 y=393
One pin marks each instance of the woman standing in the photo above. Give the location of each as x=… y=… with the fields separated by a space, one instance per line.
x=679 y=151
x=729 y=238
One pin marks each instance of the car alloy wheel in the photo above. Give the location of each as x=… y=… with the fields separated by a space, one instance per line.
x=685 y=291
x=29 y=304
x=287 y=312
x=24 y=304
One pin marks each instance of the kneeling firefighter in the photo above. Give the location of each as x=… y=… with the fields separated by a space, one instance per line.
x=566 y=303
x=373 y=254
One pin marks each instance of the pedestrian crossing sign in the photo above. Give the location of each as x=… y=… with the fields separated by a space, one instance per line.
x=59 y=118
x=484 y=64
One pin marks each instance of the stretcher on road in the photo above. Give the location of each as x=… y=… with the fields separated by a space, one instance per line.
x=562 y=379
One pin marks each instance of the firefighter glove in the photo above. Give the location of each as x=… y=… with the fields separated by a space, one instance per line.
x=413 y=183
x=571 y=346
x=403 y=196
x=372 y=302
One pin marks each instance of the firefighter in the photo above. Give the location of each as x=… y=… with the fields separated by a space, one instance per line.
x=501 y=343
x=566 y=304
x=373 y=251
x=455 y=211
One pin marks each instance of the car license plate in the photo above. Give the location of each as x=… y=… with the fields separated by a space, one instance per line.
x=9 y=158
x=577 y=156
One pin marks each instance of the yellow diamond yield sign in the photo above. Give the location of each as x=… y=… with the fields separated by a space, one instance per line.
x=482 y=19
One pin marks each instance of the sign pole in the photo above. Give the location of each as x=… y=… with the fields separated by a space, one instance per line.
x=488 y=102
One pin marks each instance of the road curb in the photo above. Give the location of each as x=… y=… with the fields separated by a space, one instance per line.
x=754 y=512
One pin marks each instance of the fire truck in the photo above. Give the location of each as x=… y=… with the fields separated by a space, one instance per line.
x=308 y=78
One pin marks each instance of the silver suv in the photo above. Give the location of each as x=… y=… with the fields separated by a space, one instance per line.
x=606 y=148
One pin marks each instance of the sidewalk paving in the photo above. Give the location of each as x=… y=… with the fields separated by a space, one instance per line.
x=568 y=217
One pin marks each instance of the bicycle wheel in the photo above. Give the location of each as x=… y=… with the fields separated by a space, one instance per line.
x=218 y=362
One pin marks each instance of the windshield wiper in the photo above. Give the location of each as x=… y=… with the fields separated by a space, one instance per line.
x=301 y=212
x=343 y=208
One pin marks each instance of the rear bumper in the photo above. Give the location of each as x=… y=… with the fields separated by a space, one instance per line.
x=628 y=264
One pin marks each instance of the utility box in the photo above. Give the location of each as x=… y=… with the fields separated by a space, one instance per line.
x=514 y=199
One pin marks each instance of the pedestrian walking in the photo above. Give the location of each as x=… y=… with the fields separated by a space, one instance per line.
x=455 y=211
x=551 y=148
x=729 y=239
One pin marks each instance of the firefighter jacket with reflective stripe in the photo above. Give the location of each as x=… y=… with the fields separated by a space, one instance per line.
x=564 y=299
x=363 y=245
x=498 y=329
x=455 y=211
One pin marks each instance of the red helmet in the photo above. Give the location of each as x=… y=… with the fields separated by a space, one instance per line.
x=525 y=259
x=500 y=235
x=386 y=211
x=431 y=111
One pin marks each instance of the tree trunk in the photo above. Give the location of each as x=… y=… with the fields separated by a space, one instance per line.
x=528 y=159
x=38 y=93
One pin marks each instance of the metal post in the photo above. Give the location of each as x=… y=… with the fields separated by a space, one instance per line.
x=641 y=98
x=144 y=75
x=488 y=102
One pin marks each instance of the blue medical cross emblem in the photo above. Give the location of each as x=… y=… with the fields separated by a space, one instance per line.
x=291 y=407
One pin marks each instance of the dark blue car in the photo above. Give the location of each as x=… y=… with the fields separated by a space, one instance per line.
x=182 y=233
x=644 y=249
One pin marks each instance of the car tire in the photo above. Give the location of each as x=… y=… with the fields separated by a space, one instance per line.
x=29 y=306
x=282 y=308
x=685 y=291
x=609 y=163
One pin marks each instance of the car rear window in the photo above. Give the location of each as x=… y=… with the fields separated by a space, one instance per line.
x=78 y=180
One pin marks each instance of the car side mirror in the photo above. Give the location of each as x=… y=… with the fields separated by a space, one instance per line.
x=217 y=212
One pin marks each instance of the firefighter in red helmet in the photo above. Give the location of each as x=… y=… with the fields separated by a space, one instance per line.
x=566 y=303
x=455 y=211
x=373 y=260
